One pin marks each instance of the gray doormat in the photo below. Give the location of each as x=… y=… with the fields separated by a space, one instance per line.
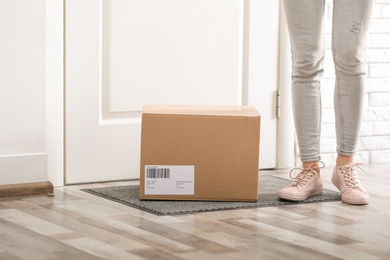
x=269 y=186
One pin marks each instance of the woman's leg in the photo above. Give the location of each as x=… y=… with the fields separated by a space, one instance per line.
x=351 y=20
x=305 y=24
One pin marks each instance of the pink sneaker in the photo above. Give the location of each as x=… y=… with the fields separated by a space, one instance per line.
x=344 y=177
x=306 y=184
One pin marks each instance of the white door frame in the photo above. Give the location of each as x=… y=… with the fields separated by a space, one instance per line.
x=55 y=91
x=285 y=153
x=55 y=125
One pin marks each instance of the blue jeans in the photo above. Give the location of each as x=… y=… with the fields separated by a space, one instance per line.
x=305 y=19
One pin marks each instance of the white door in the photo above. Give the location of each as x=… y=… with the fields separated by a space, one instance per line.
x=121 y=54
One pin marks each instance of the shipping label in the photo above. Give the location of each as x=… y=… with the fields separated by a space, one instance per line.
x=169 y=179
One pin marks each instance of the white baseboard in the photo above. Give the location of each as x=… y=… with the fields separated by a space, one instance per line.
x=26 y=168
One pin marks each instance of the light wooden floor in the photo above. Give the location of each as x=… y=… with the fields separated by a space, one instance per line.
x=78 y=225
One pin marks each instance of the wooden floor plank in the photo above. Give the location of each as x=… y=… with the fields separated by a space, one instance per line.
x=33 y=223
x=99 y=249
x=19 y=242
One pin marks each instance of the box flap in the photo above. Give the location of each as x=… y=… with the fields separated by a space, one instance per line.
x=248 y=111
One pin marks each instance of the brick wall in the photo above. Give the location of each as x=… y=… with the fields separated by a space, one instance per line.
x=374 y=141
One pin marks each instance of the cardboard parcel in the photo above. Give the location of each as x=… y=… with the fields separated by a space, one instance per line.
x=200 y=152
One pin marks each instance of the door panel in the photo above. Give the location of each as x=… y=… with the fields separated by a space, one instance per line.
x=171 y=52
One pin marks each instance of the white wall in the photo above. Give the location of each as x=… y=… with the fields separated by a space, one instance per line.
x=22 y=92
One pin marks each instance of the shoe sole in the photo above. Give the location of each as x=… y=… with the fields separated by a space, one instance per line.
x=293 y=198
x=362 y=202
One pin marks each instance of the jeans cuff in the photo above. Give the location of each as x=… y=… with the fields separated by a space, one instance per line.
x=345 y=153
x=311 y=159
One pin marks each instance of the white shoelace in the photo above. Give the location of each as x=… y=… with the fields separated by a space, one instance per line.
x=350 y=176
x=305 y=175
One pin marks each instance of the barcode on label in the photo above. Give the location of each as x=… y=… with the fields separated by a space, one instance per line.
x=158 y=173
